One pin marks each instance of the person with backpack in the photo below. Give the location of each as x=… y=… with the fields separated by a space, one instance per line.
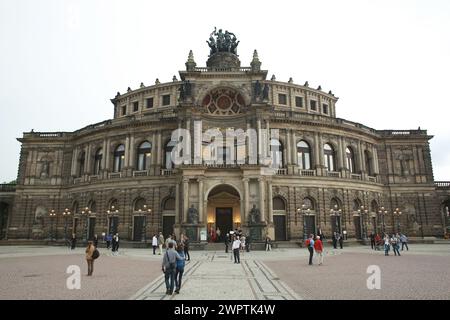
x=318 y=248
x=404 y=241
x=90 y=257
x=169 y=264
x=180 y=268
x=395 y=244
x=310 y=245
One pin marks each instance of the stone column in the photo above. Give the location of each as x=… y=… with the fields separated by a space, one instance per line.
x=107 y=155
x=270 y=199
x=341 y=154
x=88 y=167
x=376 y=169
x=261 y=199
x=317 y=156
x=200 y=200
x=185 y=198
x=177 y=202
x=288 y=145
x=127 y=151
x=154 y=152
x=131 y=160
x=268 y=138
x=86 y=157
x=103 y=163
x=246 y=200
x=361 y=158
x=258 y=128
x=160 y=150
x=294 y=148
x=321 y=160
x=73 y=170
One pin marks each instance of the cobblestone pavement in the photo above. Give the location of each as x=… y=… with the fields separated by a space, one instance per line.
x=40 y=273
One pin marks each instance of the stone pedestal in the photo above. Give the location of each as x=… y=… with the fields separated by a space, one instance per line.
x=192 y=231
x=257 y=231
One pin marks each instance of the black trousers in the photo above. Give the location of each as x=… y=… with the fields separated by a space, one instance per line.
x=90 y=264
x=405 y=244
x=311 y=252
x=186 y=253
x=154 y=249
x=236 y=256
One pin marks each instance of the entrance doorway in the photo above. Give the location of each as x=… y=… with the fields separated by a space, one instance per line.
x=91 y=231
x=279 y=222
x=224 y=221
x=138 y=228
x=168 y=222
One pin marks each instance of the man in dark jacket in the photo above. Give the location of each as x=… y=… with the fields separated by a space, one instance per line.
x=334 y=240
x=248 y=242
x=169 y=264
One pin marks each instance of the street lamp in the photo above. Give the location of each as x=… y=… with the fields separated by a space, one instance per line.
x=52 y=216
x=110 y=214
x=397 y=213
x=144 y=225
x=363 y=213
x=85 y=213
x=66 y=215
x=337 y=214
x=382 y=212
x=305 y=211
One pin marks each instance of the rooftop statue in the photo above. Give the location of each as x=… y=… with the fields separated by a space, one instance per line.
x=224 y=42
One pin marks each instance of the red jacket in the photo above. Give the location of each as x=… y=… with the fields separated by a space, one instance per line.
x=318 y=246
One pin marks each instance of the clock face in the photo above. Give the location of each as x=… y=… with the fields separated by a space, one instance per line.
x=223 y=101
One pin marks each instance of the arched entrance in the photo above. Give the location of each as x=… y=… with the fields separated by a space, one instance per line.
x=223 y=211
x=4 y=211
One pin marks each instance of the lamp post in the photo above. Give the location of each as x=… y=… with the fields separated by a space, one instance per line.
x=66 y=215
x=85 y=213
x=382 y=213
x=397 y=213
x=144 y=224
x=110 y=215
x=52 y=216
x=363 y=213
x=305 y=211
x=337 y=214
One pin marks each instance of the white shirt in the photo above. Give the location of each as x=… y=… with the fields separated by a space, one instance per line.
x=236 y=244
x=154 y=241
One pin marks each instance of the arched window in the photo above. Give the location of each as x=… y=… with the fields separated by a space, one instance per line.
x=98 y=161
x=169 y=204
x=278 y=204
x=303 y=155
x=75 y=207
x=335 y=203
x=113 y=205
x=139 y=204
x=92 y=206
x=309 y=203
x=374 y=206
x=368 y=160
x=329 y=157
x=144 y=153
x=357 y=205
x=276 y=152
x=119 y=158
x=81 y=162
x=168 y=154
x=350 y=159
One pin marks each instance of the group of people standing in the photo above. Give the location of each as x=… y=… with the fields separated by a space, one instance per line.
x=244 y=240
x=394 y=241
x=314 y=245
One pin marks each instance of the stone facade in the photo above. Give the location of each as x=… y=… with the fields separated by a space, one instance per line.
x=116 y=176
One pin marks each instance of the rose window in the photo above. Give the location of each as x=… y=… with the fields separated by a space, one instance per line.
x=223 y=102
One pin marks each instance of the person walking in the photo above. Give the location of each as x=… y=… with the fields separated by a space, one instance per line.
x=377 y=240
x=372 y=240
x=95 y=241
x=186 y=248
x=318 y=248
x=73 y=242
x=387 y=245
x=395 y=244
x=236 y=247
x=334 y=239
x=108 y=241
x=248 y=241
x=160 y=243
x=169 y=264
x=243 y=243
x=113 y=245
x=227 y=240
x=340 y=238
x=404 y=241
x=180 y=268
x=89 y=259
x=268 y=244
x=310 y=245
x=154 y=243
x=218 y=233
x=117 y=243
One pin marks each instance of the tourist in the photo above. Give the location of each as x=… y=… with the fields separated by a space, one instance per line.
x=89 y=259
x=318 y=248
x=268 y=244
x=227 y=240
x=310 y=245
x=186 y=248
x=378 y=241
x=218 y=238
x=160 y=243
x=320 y=234
x=169 y=264
x=154 y=243
x=73 y=241
x=334 y=239
x=372 y=240
x=180 y=268
x=247 y=244
x=387 y=245
x=236 y=246
x=95 y=241
x=395 y=244
x=404 y=241
x=242 y=239
x=108 y=241
x=341 y=240
x=113 y=245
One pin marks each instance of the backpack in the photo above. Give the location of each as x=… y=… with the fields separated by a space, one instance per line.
x=95 y=254
x=307 y=242
x=172 y=265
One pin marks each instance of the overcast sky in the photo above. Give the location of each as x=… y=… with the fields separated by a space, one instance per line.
x=61 y=61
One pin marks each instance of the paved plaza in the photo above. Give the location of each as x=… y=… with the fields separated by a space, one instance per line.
x=39 y=272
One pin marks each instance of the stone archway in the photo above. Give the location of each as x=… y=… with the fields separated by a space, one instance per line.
x=223 y=210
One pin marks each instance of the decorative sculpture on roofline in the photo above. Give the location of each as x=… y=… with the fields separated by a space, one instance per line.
x=224 y=42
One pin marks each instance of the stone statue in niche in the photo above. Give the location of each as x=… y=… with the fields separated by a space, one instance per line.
x=192 y=215
x=45 y=169
x=254 y=216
